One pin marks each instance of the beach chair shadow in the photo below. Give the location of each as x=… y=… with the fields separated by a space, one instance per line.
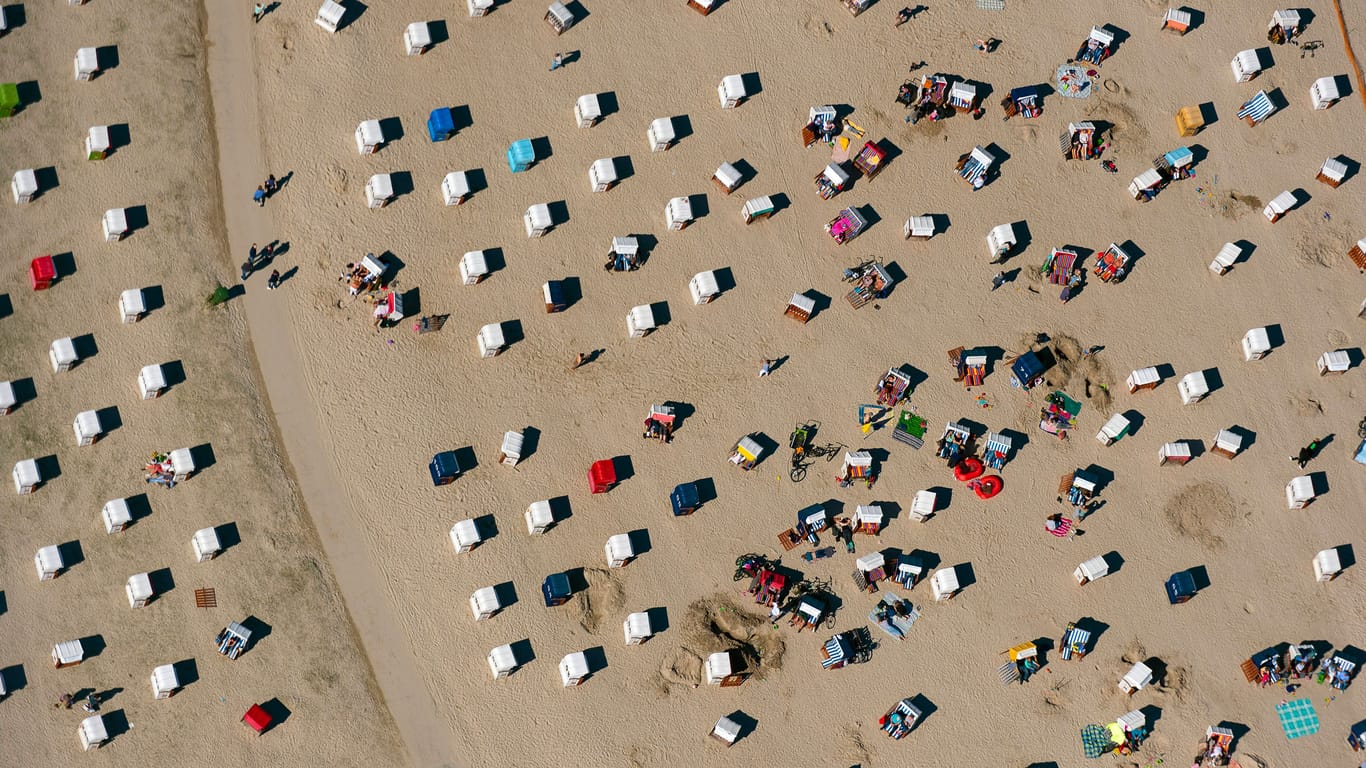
x=507 y=593
x=13 y=679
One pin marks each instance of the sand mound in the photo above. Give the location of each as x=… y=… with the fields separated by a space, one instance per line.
x=1199 y=510
x=716 y=624
x=603 y=597
x=1082 y=378
x=1176 y=682
x=1134 y=652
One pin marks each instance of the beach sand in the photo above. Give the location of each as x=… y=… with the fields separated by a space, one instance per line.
x=385 y=401
x=305 y=656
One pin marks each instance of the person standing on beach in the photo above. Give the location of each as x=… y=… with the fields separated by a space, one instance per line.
x=765 y=366
x=556 y=61
x=998 y=280
x=272 y=186
x=257 y=11
x=273 y=281
x=259 y=197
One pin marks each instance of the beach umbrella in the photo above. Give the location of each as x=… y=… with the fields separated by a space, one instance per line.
x=1095 y=740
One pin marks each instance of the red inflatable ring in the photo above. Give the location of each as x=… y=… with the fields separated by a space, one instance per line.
x=988 y=486
x=968 y=469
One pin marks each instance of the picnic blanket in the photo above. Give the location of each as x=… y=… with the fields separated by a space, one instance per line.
x=1095 y=740
x=1298 y=718
x=1073 y=82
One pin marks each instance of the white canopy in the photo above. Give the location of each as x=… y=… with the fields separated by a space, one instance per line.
x=115 y=221
x=1299 y=491
x=732 y=87
x=380 y=186
x=1231 y=442
x=25 y=183
x=1337 y=361
x=491 y=337
x=1102 y=35
x=1193 y=387
x=8 y=399
x=132 y=302
x=870 y=561
x=587 y=108
x=369 y=134
x=1327 y=564
x=87 y=426
x=1288 y=19
x=68 y=652
x=97 y=139
x=418 y=35
x=729 y=177
x=982 y=156
x=637 y=626
x=944 y=583
x=573 y=668
x=139 y=588
x=1092 y=569
x=26 y=474
x=512 y=446
x=1114 y=428
x=116 y=515
x=602 y=173
x=205 y=543
x=464 y=535
x=1256 y=343
x=919 y=226
x=561 y=13
x=164 y=680
x=802 y=302
x=922 y=504
x=48 y=560
x=662 y=131
x=718 y=667
x=963 y=92
x=538 y=216
x=484 y=603
x=860 y=459
x=726 y=730
x=63 y=352
x=619 y=549
x=703 y=287
x=641 y=318
x=539 y=516
x=87 y=61
x=1282 y=202
x=455 y=186
x=1245 y=65
x=836 y=174
x=502 y=660
x=330 y=15
x=1146 y=180
x=1138 y=676
x=182 y=461
x=93 y=732
x=679 y=209
x=474 y=266
x=1333 y=169
x=870 y=513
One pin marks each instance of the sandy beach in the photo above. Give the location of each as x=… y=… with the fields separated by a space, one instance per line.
x=305 y=655
x=359 y=412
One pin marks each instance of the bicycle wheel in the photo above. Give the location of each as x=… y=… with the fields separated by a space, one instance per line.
x=798 y=473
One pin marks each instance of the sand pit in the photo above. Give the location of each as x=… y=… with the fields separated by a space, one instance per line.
x=716 y=624
x=602 y=599
x=1204 y=512
x=1087 y=378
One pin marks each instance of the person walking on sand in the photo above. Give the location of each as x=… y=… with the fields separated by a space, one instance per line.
x=556 y=61
x=579 y=360
x=272 y=186
x=259 y=197
x=766 y=366
x=257 y=11
x=273 y=281
x=65 y=701
x=998 y=280
x=92 y=704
